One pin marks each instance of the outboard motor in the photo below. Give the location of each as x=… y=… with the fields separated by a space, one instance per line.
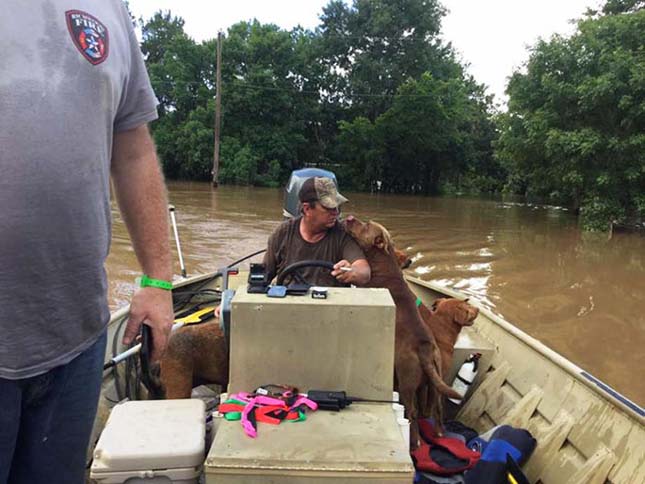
x=291 y=207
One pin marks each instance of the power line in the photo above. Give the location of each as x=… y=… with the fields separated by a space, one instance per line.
x=295 y=90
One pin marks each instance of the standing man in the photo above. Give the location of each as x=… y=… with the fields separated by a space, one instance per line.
x=317 y=235
x=75 y=99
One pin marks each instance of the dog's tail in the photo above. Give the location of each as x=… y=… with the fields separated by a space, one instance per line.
x=430 y=368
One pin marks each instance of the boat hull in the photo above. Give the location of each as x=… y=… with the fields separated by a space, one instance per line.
x=586 y=432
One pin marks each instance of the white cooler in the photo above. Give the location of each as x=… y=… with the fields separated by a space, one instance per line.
x=155 y=441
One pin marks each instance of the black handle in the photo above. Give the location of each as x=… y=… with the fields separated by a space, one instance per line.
x=144 y=357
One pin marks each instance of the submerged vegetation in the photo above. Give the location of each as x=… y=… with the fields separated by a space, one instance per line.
x=375 y=95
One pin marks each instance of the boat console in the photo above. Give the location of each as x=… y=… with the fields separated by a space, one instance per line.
x=343 y=342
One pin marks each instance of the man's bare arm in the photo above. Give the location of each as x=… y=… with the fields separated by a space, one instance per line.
x=141 y=194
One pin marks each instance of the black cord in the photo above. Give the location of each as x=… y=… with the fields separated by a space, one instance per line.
x=233 y=264
x=193 y=293
x=197 y=290
x=369 y=400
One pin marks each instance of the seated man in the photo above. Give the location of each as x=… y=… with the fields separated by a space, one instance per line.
x=317 y=235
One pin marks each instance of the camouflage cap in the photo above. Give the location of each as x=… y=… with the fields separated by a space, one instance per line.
x=323 y=190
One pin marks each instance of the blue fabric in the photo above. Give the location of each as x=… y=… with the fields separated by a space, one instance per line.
x=493 y=464
x=454 y=426
x=427 y=478
x=478 y=444
x=46 y=421
x=497 y=449
x=520 y=439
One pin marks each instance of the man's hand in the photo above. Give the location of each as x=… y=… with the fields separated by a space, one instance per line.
x=151 y=306
x=357 y=273
x=342 y=271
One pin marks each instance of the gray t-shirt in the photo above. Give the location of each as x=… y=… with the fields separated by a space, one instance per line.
x=71 y=75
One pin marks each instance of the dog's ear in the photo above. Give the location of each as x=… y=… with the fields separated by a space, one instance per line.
x=400 y=256
x=464 y=314
x=380 y=243
x=383 y=240
x=435 y=304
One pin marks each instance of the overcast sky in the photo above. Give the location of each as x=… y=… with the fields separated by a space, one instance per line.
x=490 y=35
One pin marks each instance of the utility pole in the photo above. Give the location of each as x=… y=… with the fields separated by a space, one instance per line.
x=218 y=109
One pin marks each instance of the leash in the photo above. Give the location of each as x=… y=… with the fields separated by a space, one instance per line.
x=266 y=406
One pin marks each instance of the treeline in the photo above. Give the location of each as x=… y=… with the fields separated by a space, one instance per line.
x=575 y=127
x=375 y=95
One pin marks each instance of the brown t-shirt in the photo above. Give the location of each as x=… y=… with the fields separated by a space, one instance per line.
x=287 y=246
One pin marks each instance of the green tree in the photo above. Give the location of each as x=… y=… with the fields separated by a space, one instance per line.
x=181 y=74
x=435 y=131
x=263 y=100
x=362 y=150
x=574 y=130
x=613 y=7
x=422 y=134
x=372 y=47
x=157 y=33
x=239 y=163
x=338 y=96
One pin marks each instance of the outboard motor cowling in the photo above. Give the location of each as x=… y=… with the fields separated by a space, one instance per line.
x=291 y=207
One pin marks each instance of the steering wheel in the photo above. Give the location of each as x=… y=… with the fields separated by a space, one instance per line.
x=296 y=266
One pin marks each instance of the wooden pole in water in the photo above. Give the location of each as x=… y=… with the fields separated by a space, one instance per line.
x=218 y=108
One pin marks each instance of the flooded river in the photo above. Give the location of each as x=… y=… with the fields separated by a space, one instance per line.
x=584 y=296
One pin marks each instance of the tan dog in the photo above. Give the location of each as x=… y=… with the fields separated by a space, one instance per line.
x=446 y=319
x=196 y=355
x=417 y=361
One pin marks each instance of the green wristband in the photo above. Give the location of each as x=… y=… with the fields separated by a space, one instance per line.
x=158 y=283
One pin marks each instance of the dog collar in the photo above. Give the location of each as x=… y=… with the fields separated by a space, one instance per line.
x=419 y=301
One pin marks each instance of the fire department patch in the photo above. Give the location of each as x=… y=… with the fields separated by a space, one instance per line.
x=90 y=36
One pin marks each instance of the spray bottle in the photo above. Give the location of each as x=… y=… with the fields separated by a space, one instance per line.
x=465 y=376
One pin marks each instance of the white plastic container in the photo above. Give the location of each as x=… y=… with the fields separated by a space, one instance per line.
x=404 y=424
x=157 y=441
x=465 y=377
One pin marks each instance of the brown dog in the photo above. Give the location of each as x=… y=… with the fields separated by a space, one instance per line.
x=445 y=320
x=196 y=355
x=417 y=360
